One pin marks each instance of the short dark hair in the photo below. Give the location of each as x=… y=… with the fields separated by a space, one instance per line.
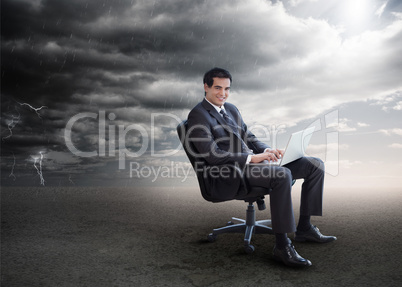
x=216 y=73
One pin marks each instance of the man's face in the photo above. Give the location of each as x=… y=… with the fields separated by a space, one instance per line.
x=218 y=92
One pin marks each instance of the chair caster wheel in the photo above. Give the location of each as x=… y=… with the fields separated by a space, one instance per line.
x=229 y=223
x=211 y=237
x=249 y=249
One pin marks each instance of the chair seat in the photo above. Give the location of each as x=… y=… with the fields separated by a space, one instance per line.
x=255 y=192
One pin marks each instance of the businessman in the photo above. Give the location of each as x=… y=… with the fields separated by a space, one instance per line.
x=221 y=137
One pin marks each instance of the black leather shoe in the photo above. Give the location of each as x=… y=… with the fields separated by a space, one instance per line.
x=313 y=235
x=290 y=257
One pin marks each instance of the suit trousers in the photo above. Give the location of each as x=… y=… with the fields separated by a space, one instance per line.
x=279 y=180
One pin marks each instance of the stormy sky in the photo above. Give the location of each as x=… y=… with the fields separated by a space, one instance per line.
x=82 y=81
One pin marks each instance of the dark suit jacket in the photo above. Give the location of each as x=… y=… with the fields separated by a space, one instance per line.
x=218 y=145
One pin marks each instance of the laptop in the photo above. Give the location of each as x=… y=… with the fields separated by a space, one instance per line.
x=295 y=148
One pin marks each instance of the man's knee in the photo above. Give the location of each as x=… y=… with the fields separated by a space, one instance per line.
x=318 y=163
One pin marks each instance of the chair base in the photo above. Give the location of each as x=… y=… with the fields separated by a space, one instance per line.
x=248 y=227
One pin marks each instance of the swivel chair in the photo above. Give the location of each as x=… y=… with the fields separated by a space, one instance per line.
x=249 y=226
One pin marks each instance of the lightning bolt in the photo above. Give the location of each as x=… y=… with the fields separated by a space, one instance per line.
x=69 y=178
x=12 y=169
x=39 y=170
x=11 y=125
x=34 y=109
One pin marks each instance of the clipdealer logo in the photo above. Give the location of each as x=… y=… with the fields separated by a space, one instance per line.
x=122 y=135
x=331 y=123
x=118 y=144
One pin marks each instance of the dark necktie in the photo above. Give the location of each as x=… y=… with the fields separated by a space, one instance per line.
x=230 y=122
x=235 y=129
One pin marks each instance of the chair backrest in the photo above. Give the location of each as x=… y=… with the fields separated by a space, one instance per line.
x=196 y=161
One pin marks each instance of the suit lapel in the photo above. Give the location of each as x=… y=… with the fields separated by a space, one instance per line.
x=212 y=111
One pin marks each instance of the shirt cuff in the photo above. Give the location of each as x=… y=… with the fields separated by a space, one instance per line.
x=248 y=159
x=268 y=148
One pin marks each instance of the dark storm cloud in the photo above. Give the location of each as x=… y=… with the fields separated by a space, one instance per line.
x=59 y=49
x=54 y=17
x=48 y=51
x=393 y=6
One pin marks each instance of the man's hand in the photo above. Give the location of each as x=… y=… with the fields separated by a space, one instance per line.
x=277 y=152
x=269 y=154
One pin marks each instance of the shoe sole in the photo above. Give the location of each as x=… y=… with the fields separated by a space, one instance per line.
x=291 y=265
x=301 y=239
